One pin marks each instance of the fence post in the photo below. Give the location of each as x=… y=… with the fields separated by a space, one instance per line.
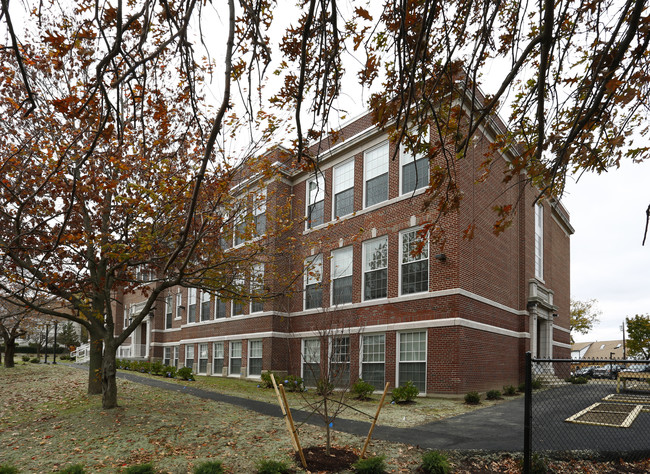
x=528 y=413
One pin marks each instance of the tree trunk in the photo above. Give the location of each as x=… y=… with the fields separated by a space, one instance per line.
x=328 y=435
x=95 y=366
x=109 y=382
x=10 y=351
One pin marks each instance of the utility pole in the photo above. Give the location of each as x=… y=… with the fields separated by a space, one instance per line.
x=623 y=329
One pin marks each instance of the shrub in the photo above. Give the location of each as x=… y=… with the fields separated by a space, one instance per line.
x=536 y=384
x=140 y=469
x=522 y=387
x=292 y=383
x=170 y=371
x=185 y=373
x=434 y=462
x=35 y=360
x=209 y=467
x=362 y=390
x=7 y=469
x=269 y=466
x=372 y=465
x=266 y=379
x=577 y=380
x=493 y=395
x=25 y=358
x=472 y=398
x=157 y=368
x=64 y=357
x=74 y=469
x=509 y=390
x=405 y=393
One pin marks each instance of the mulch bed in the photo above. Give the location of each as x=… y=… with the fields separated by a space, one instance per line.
x=318 y=460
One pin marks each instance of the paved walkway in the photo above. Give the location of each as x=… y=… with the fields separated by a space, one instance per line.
x=496 y=428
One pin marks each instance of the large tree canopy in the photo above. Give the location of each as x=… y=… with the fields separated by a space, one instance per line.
x=584 y=316
x=638 y=331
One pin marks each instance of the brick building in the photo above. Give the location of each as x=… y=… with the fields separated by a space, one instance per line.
x=451 y=319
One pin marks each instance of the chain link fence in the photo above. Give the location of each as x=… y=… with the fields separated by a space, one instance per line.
x=596 y=409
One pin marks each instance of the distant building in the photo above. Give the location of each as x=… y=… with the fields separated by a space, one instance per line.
x=598 y=350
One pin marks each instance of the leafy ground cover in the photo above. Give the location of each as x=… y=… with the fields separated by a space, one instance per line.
x=48 y=422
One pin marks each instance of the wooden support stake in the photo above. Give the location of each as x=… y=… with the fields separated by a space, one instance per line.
x=374 y=422
x=294 y=432
x=284 y=413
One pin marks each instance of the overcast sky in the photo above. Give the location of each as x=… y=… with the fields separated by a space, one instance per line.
x=608 y=262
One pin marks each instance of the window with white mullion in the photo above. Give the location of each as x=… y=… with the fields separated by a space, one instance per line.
x=373 y=359
x=219 y=308
x=340 y=361
x=217 y=358
x=179 y=304
x=344 y=189
x=169 y=311
x=414 y=263
x=255 y=355
x=191 y=305
x=189 y=356
x=341 y=276
x=310 y=361
x=259 y=212
x=414 y=164
x=376 y=174
x=205 y=306
x=313 y=282
x=413 y=359
x=235 y=358
x=240 y=227
x=257 y=287
x=375 y=276
x=203 y=359
x=315 y=201
x=176 y=356
x=539 y=241
x=167 y=356
x=237 y=305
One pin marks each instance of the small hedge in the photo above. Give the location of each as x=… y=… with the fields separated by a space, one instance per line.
x=472 y=398
x=362 y=390
x=434 y=462
x=269 y=466
x=209 y=467
x=577 y=380
x=493 y=395
x=185 y=373
x=372 y=465
x=140 y=469
x=509 y=390
x=74 y=469
x=405 y=393
x=7 y=469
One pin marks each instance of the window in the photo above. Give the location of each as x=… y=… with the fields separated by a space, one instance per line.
x=205 y=306
x=189 y=356
x=240 y=228
x=179 y=304
x=373 y=358
x=176 y=351
x=342 y=276
x=376 y=171
x=375 y=269
x=255 y=358
x=257 y=287
x=238 y=306
x=413 y=359
x=191 y=305
x=313 y=282
x=203 y=358
x=169 y=311
x=539 y=241
x=167 y=356
x=217 y=358
x=126 y=318
x=259 y=212
x=310 y=361
x=415 y=263
x=340 y=367
x=235 y=358
x=415 y=168
x=219 y=308
x=315 y=201
x=344 y=189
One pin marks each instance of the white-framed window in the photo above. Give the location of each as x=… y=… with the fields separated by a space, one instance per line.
x=412 y=363
x=373 y=360
x=375 y=268
x=217 y=358
x=205 y=306
x=257 y=287
x=203 y=358
x=235 y=358
x=375 y=169
x=259 y=212
x=167 y=356
x=310 y=361
x=191 y=305
x=255 y=357
x=240 y=227
x=414 y=167
x=219 y=308
x=340 y=361
x=344 y=189
x=315 y=201
x=169 y=311
x=179 y=303
x=539 y=241
x=125 y=323
x=313 y=281
x=189 y=356
x=177 y=350
x=414 y=267
x=341 y=276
